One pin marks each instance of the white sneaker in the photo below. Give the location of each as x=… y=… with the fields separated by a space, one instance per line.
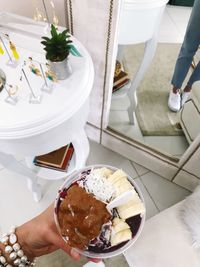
x=184 y=97
x=174 y=101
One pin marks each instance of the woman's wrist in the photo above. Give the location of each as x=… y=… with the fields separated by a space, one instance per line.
x=23 y=234
x=14 y=248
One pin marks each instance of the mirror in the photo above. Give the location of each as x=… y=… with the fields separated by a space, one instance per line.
x=149 y=42
x=40 y=10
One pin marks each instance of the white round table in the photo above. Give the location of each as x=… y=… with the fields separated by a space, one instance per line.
x=35 y=129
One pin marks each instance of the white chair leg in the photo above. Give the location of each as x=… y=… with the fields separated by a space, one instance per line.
x=120 y=53
x=35 y=188
x=132 y=107
x=32 y=184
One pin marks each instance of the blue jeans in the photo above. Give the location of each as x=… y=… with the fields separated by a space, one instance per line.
x=188 y=49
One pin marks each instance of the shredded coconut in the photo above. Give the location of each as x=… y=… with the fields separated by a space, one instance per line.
x=98 y=185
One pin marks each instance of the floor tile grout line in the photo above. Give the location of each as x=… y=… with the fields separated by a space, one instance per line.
x=169 y=180
x=150 y=195
x=136 y=169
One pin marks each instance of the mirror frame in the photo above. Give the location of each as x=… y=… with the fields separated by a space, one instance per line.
x=165 y=165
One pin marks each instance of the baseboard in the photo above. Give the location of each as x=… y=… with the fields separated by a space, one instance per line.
x=186 y=180
x=142 y=157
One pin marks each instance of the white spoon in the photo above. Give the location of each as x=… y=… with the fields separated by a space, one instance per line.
x=120 y=200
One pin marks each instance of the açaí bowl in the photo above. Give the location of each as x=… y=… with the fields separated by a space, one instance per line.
x=136 y=223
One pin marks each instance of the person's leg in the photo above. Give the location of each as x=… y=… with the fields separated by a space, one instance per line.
x=193 y=78
x=189 y=47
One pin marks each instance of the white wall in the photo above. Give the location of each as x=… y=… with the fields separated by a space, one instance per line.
x=26 y=8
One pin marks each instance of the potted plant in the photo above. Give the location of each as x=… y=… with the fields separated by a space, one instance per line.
x=58 y=47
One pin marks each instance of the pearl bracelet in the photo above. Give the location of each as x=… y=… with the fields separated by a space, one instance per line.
x=3 y=261
x=13 y=248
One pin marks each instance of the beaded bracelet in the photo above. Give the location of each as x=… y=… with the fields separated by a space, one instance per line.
x=13 y=248
x=3 y=261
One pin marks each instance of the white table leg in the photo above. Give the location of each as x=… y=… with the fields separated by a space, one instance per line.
x=35 y=188
x=9 y=162
x=149 y=52
x=81 y=147
x=120 y=52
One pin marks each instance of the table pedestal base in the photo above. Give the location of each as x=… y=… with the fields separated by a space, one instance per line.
x=10 y=163
x=32 y=173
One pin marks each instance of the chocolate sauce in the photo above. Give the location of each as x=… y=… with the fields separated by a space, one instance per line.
x=81 y=217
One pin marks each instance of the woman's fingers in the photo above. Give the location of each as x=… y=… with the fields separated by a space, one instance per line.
x=60 y=243
x=74 y=254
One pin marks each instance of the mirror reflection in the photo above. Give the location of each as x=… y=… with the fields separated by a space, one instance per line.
x=40 y=10
x=147 y=54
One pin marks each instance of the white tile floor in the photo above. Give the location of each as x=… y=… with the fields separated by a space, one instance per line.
x=172 y=30
x=17 y=204
x=173 y=25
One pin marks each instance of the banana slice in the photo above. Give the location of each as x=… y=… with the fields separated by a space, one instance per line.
x=135 y=199
x=120 y=191
x=103 y=172
x=122 y=186
x=117 y=175
x=132 y=210
x=117 y=179
x=134 y=206
x=119 y=225
x=116 y=220
x=120 y=237
x=121 y=182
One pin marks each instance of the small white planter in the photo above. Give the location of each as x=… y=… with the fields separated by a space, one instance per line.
x=62 y=69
